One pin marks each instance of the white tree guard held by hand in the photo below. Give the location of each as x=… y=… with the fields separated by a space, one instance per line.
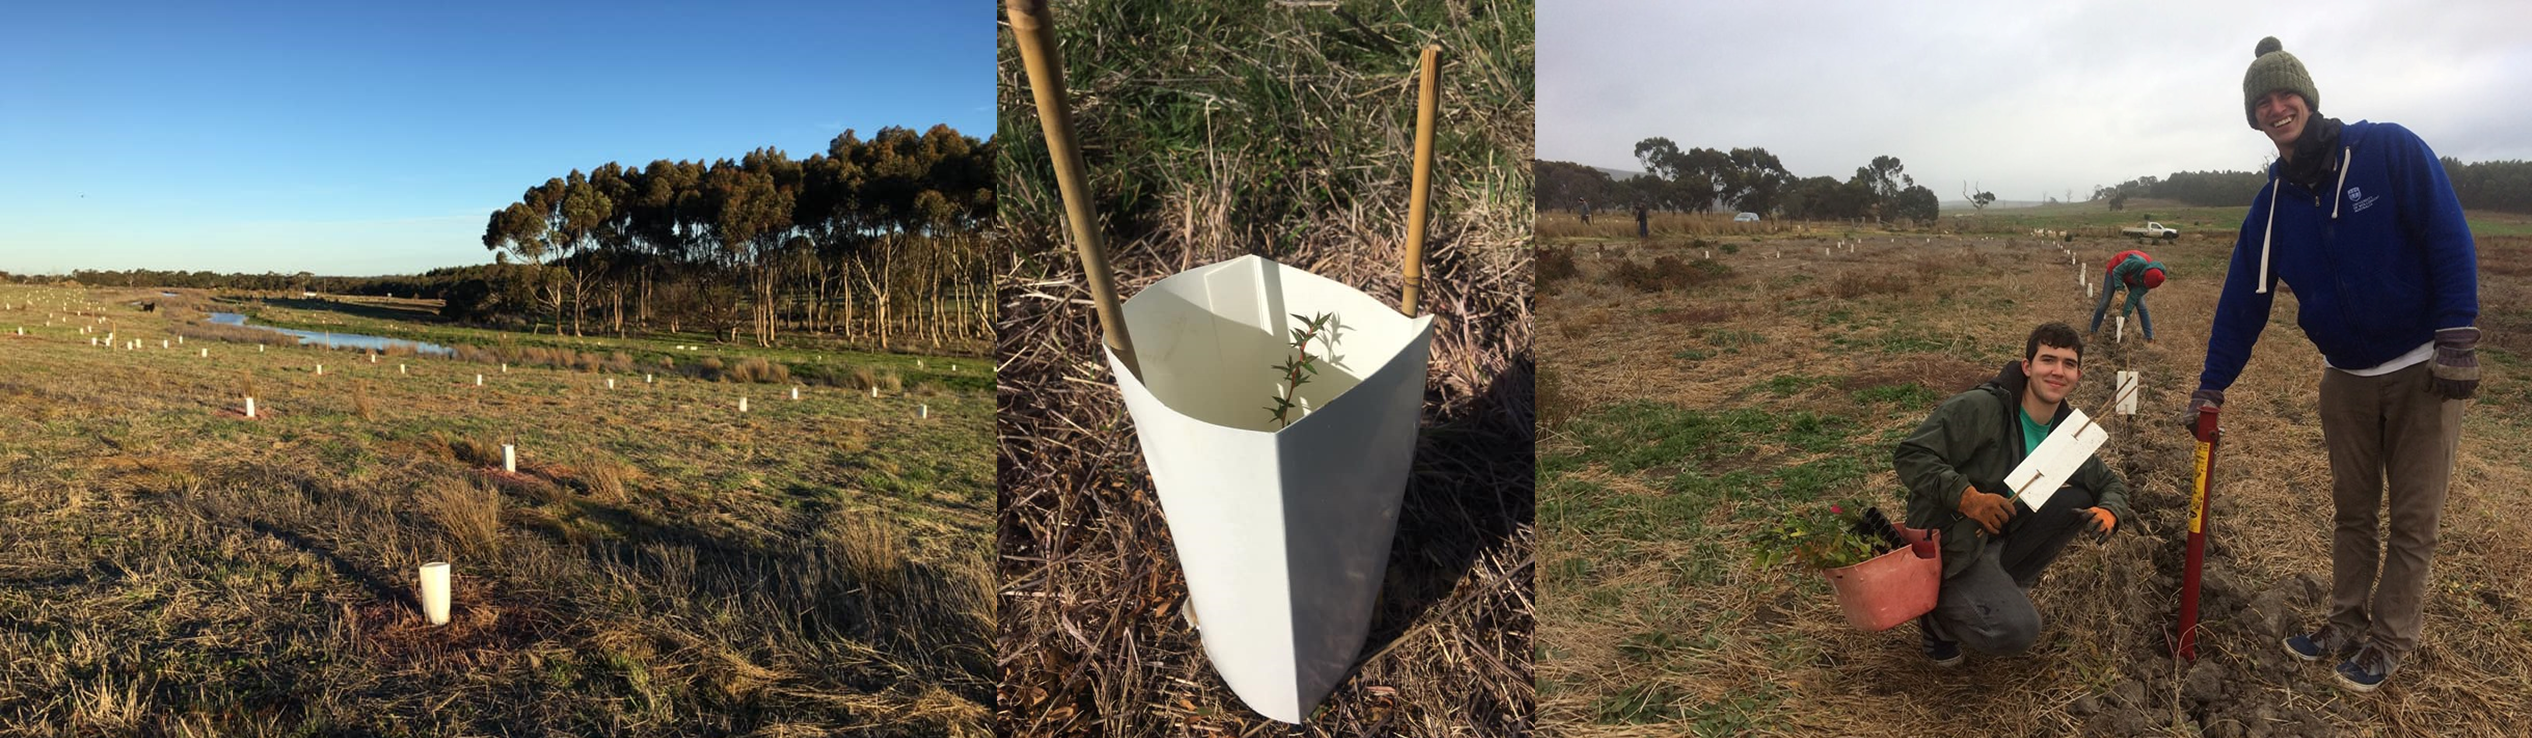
x=1284 y=532
x=2053 y=464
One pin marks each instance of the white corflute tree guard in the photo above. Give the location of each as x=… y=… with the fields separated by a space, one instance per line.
x=1284 y=533
x=435 y=592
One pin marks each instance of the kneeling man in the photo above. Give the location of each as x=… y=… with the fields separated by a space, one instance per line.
x=1954 y=466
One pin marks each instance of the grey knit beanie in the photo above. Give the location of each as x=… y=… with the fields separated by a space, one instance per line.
x=2274 y=69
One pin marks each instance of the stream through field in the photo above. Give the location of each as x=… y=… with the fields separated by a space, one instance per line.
x=339 y=340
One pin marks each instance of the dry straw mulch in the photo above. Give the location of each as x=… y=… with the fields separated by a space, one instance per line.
x=1093 y=638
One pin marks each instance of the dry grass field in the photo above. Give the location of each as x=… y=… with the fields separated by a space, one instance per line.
x=1686 y=403
x=660 y=564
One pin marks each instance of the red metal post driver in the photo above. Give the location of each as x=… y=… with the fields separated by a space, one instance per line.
x=2202 y=489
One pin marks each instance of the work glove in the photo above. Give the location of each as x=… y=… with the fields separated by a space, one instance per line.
x=2102 y=519
x=1990 y=510
x=2457 y=363
x=2203 y=398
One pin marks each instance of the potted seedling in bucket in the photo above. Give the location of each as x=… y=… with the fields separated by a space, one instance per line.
x=1884 y=574
x=1277 y=410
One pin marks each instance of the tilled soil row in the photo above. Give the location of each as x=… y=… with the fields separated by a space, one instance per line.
x=2242 y=684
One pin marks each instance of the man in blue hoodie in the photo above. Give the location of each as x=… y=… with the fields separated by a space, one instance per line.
x=2359 y=220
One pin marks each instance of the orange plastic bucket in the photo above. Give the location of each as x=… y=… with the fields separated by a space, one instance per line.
x=1894 y=587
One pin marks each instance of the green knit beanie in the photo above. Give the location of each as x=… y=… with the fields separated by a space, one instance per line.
x=2274 y=69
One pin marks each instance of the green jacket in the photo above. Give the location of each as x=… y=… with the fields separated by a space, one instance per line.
x=1973 y=440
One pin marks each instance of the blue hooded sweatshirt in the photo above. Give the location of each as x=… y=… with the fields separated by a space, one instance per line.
x=2379 y=262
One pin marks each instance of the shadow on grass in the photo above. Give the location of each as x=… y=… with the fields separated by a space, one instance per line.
x=1473 y=487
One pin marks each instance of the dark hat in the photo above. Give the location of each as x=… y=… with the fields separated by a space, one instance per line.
x=2274 y=69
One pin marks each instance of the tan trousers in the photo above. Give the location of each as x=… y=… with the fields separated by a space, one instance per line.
x=2389 y=427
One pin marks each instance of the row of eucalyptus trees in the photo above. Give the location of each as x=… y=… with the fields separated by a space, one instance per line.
x=878 y=241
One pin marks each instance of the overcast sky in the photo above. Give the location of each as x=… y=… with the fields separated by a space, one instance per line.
x=2021 y=98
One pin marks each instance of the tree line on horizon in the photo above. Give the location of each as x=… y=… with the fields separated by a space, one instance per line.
x=864 y=240
x=1753 y=180
x=1745 y=180
x=2487 y=185
x=868 y=240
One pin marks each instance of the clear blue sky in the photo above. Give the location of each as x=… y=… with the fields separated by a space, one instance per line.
x=358 y=138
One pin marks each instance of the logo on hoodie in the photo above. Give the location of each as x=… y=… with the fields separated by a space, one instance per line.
x=2357 y=195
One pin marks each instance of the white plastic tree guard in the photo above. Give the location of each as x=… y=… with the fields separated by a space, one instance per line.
x=646 y=379
x=400 y=369
x=742 y=404
x=206 y=353
x=250 y=406
x=922 y=411
x=2126 y=394
x=1284 y=533
x=2053 y=464
x=795 y=393
x=320 y=370
x=510 y=458
x=2121 y=334
x=479 y=380
x=435 y=592
x=610 y=383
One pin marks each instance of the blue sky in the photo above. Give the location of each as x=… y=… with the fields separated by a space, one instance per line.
x=375 y=138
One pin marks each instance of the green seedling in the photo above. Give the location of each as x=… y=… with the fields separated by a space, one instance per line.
x=1301 y=366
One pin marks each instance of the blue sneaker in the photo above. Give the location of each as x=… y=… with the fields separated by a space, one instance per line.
x=2365 y=670
x=2326 y=642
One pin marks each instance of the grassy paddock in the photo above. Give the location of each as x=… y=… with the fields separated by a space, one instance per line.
x=660 y=564
x=1218 y=129
x=1680 y=421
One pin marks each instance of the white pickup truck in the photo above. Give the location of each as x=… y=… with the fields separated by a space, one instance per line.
x=2151 y=230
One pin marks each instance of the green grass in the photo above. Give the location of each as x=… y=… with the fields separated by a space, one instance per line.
x=1206 y=123
x=1702 y=458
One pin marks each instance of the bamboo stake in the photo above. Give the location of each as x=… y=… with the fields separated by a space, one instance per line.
x=1033 y=27
x=1428 y=98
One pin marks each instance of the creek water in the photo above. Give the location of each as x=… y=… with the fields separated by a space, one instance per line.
x=338 y=340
